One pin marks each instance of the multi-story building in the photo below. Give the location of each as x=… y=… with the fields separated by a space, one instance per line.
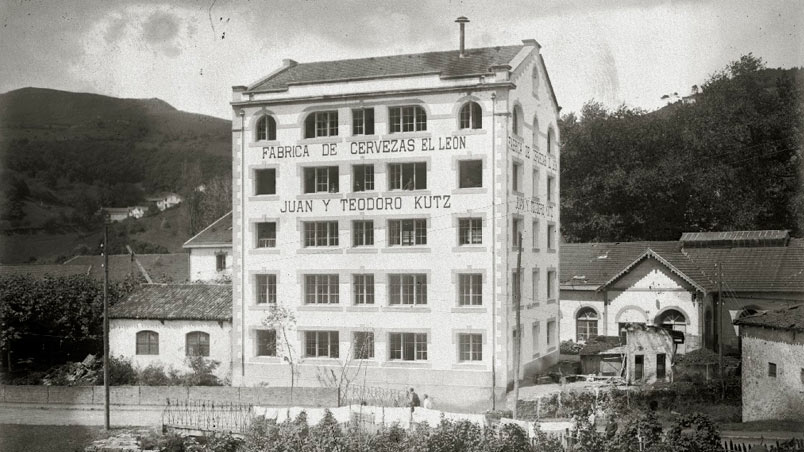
x=378 y=199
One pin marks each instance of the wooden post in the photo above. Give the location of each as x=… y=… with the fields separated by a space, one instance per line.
x=517 y=329
x=105 y=324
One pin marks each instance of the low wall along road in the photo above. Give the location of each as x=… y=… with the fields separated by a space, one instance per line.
x=157 y=395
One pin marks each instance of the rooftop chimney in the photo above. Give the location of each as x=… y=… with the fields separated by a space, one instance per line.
x=462 y=20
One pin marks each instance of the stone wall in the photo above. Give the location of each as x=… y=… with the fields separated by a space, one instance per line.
x=157 y=395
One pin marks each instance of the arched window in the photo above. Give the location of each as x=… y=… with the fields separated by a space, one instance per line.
x=147 y=343
x=321 y=124
x=586 y=324
x=535 y=133
x=550 y=139
x=535 y=76
x=515 y=121
x=672 y=320
x=197 y=344
x=471 y=116
x=266 y=128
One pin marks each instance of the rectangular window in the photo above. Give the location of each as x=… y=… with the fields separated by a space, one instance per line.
x=407 y=119
x=551 y=237
x=534 y=334
x=516 y=177
x=516 y=230
x=220 y=262
x=266 y=181
x=772 y=370
x=321 y=124
x=551 y=284
x=470 y=174
x=321 y=344
x=363 y=288
x=266 y=289
x=320 y=233
x=551 y=182
x=408 y=346
x=551 y=333
x=470 y=289
x=535 y=276
x=639 y=367
x=407 y=176
x=363 y=121
x=363 y=345
x=516 y=282
x=470 y=347
x=266 y=342
x=407 y=232
x=266 y=235
x=321 y=289
x=363 y=177
x=362 y=233
x=535 y=233
x=407 y=289
x=321 y=179
x=535 y=184
x=470 y=231
x=661 y=365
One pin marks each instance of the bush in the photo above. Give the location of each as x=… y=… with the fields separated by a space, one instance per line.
x=569 y=347
x=154 y=375
x=121 y=372
x=202 y=373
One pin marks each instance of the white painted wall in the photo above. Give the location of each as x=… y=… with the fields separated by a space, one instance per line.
x=172 y=342
x=203 y=264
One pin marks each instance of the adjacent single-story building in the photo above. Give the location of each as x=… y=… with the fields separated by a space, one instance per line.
x=773 y=364
x=165 y=324
x=643 y=354
x=679 y=285
x=210 y=251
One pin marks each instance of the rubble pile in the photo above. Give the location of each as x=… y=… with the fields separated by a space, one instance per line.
x=81 y=373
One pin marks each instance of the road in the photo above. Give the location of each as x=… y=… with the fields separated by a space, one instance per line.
x=31 y=414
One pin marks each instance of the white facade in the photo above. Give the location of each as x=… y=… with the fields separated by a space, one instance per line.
x=172 y=342
x=205 y=263
x=452 y=378
x=646 y=295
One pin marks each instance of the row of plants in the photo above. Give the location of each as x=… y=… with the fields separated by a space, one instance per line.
x=638 y=431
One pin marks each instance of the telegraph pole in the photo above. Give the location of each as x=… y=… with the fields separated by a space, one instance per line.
x=517 y=329
x=105 y=323
x=720 y=326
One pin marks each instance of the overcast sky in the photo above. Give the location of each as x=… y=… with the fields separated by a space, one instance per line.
x=189 y=53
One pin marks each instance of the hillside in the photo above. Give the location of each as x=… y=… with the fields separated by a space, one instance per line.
x=64 y=155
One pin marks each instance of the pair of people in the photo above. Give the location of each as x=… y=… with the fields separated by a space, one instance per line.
x=413 y=401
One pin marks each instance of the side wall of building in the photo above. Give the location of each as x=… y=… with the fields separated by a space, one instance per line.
x=172 y=342
x=203 y=264
x=766 y=396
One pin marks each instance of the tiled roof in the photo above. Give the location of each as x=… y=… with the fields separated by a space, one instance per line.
x=218 y=233
x=447 y=64
x=164 y=268
x=790 y=318
x=745 y=269
x=176 y=302
x=40 y=271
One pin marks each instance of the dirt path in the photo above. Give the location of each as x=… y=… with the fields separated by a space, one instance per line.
x=91 y=415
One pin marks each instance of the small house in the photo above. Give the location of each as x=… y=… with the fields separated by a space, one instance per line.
x=211 y=251
x=643 y=354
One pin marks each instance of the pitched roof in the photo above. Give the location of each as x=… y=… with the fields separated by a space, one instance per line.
x=160 y=267
x=745 y=268
x=735 y=238
x=217 y=234
x=176 y=302
x=43 y=270
x=790 y=318
x=446 y=64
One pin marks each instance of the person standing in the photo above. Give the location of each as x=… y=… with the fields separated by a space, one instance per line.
x=413 y=399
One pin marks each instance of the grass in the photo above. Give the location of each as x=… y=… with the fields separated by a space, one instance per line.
x=720 y=413
x=48 y=438
x=765 y=426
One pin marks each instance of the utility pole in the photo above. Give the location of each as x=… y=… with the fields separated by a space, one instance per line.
x=105 y=323
x=517 y=329
x=720 y=328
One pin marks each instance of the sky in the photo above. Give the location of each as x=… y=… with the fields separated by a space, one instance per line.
x=190 y=53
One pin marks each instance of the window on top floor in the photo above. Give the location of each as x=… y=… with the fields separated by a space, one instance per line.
x=321 y=124
x=266 y=128
x=471 y=116
x=410 y=118
x=362 y=121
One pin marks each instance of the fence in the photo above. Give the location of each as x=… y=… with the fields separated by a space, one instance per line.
x=373 y=395
x=791 y=445
x=207 y=416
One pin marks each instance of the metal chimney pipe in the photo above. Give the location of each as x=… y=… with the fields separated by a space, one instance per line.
x=462 y=20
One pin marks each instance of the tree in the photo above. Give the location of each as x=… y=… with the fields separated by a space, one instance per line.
x=349 y=370
x=282 y=320
x=731 y=160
